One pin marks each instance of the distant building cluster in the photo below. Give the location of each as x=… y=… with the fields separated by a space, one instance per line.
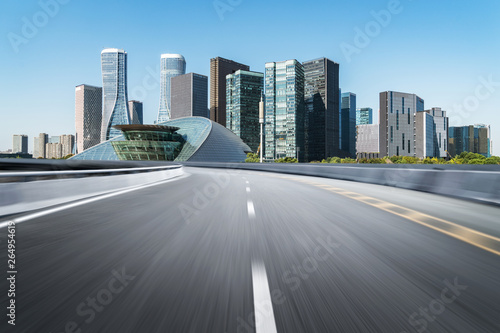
x=306 y=115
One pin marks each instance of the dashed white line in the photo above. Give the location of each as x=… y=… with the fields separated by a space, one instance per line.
x=248 y=189
x=247 y=182
x=263 y=305
x=251 y=209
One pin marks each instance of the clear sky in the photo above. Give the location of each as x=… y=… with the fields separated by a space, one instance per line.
x=444 y=51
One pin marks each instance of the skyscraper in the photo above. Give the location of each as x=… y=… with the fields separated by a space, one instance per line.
x=67 y=142
x=397 y=122
x=189 y=96
x=440 y=132
x=20 y=144
x=424 y=135
x=114 y=89
x=39 y=148
x=472 y=138
x=348 y=125
x=243 y=93
x=135 y=110
x=322 y=103
x=284 y=110
x=219 y=69
x=88 y=116
x=367 y=137
x=364 y=116
x=171 y=65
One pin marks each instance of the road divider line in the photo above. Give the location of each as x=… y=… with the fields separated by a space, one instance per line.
x=264 y=320
x=251 y=209
x=85 y=201
x=248 y=189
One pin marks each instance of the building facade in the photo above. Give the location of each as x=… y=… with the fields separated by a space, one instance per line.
x=472 y=138
x=219 y=69
x=88 y=116
x=284 y=110
x=322 y=105
x=425 y=130
x=53 y=150
x=440 y=132
x=114 y=90
x=348 y=125
x=20 y=144
x=189 y=96
x=39 y=145
x=397 y=123
x=171 y=65
x=68 y=144
x=136 y=114
x=243 y=93
x=367 y=139
x=364 y=116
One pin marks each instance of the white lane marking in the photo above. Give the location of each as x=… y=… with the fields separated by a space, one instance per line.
x=251 y=209
x=247 y=182
x=85 y=201
x=263 y=305
x=248 y=189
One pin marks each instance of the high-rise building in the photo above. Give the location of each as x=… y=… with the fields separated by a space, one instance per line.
x=171 y=65
x=348 y=125
x=135 y=112
x=440 y=132
x=284 y=110
x=53 y=150
x=367 y=137
x=67 y=142
x=424 y=135
x=114 y=90
x=364 y=116
x=322 y=103
x=189 y=96
x=88 y=116
x=39 y=145
x=397 y=122
x=219 y=69
x=20 y=144
x=243 y=93
x=472 y=138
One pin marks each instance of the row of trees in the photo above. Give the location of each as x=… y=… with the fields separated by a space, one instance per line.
x=463 y=158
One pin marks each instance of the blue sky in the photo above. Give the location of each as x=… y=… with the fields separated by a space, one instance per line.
x=444 y=51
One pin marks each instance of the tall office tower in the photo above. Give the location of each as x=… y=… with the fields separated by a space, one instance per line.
x=189 y=96
x=243 y=93
x=440 y=132
x=39 y=148
x=88 y=116
x=171 y=65
x=114 y=90
x=68 y=142
x=364 y=116
x=424 y=135
x=367 y=137
x=135 y=112
x=53 y=150
x=20 y=144
x=397 y=122
x=348 y=125
x=219 y=69
x=284 y=110
x=472 y=138
x=322 y=103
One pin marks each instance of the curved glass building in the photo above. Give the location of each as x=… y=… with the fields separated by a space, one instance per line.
x=202 y=141
x=171 y=65
x=114 y=92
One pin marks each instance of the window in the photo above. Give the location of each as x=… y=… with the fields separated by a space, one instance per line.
x=397 y=120
x=439 y=140
x=392 y=135
x=408 y=146
x=403 y=141
x=408 y=116
x=397 y=151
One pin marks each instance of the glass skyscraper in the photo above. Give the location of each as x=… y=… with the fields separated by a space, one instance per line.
x=284 y=110
x=243 y=93
x=114 y=92
x=472 y=138
x=171 y=65
x=322 y=103
x=348 y=125
x=364 y=116
x=88 y=116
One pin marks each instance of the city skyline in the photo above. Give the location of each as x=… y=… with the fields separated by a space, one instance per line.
x=470 y=93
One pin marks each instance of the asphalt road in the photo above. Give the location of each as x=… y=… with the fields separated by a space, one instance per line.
x=242 y=251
